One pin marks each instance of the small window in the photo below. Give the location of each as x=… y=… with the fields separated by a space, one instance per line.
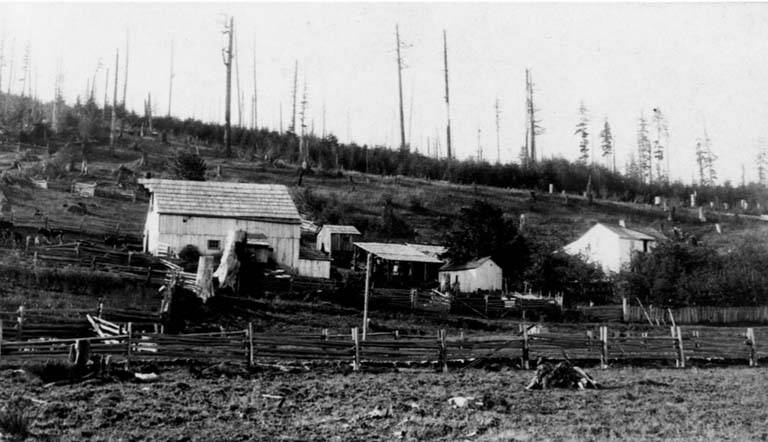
x=213 y=244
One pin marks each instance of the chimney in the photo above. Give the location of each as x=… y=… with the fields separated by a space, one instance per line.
x=622 y=223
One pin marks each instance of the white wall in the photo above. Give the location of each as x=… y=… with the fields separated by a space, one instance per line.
x=179 y=230
x=605 y=248
x=486 y=277
x=315 y=268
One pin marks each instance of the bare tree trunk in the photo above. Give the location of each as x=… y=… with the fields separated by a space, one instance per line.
x=227 y=53
x=170 y=86
x=400 y=88
x=447 y=102
x=114 y=107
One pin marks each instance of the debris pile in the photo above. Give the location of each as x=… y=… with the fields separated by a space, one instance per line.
x=562 y=375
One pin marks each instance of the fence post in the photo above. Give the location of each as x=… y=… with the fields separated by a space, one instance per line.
x=680 y=347
x=486 y=304
x=356 y=341
x=443 y=351
x=624 y=309
x=20 y=321
x=525 y=357
x=752 y=349
x=34 y=261
x=604 y=347
x=100 y=309
x=250 y=344
x=128 y=345
x=413 y=299
x=325 y=334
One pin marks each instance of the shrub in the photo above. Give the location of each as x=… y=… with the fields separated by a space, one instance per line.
x=16 y=418
x=188 y=166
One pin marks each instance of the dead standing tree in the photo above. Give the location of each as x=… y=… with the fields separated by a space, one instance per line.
x=227 y=59
x=447 y=100
x=114 y=107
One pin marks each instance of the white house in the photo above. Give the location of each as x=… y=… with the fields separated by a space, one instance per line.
x=201 y=213
x=612 y=247
x=478 y=274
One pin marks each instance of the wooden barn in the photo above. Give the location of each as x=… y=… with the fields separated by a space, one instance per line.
x=469 y=277
x=201 y=213
x=612 y=246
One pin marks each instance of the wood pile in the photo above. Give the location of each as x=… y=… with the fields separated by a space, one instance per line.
x=562 y=375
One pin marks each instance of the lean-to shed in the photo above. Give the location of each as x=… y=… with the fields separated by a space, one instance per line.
x=201 y=213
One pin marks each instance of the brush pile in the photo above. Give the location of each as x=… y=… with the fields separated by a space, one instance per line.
x=561 y=375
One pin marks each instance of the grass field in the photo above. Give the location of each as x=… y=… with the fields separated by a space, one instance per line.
x=635 y=404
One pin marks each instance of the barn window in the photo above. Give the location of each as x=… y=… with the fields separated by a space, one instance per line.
x=213 y=244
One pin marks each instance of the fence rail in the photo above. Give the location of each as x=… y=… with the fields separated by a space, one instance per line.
x=681 y=345
x=697 y=315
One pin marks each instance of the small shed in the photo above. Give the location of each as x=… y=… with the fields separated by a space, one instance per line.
x=469 y=277
x=337 y=240
x=314 y=263
x=398 y=262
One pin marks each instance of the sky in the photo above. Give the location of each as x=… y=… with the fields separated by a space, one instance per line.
x=703 y=65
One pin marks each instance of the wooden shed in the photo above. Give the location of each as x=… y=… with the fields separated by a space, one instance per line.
x=469 y=277
x=201 y=213
x=337 y=240
x=398 y=262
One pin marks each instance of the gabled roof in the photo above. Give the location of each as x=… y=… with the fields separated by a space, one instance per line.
x=475 y=263
x=397 y=252
x=626 y=233
x=333 y=228
x=223 y=200
x=427 y=249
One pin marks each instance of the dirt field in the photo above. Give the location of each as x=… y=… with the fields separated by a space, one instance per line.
x=331 y=404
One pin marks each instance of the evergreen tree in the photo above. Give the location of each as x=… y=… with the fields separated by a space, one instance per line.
x=582 y=130
x=662 y=134
x=606 y=139
x=644 y=150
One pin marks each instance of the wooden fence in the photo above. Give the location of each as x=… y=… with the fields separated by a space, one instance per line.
x=696 y=315
x=681 y=345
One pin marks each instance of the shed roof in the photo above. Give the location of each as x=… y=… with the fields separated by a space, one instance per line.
x=397 y=252
x=333 y=228
x=306 y=252
x=469 y=265
x=270 y=202
x=626 y=233
x=428 y=249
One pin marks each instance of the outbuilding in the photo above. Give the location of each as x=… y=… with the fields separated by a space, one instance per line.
x=398 y=262
x=612 y=246
x=337 y=240
x=469 y=277
x=201 y=213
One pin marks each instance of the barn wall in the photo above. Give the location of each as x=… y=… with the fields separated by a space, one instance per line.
x=486 y=277
x=177 y=231
x=315 y=268
x=151 y=231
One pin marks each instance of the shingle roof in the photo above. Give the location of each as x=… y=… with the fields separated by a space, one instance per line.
x=349 y=230
x=626 y=233
x=428 y=249
x=223 y=199
x=475 y=263
x=397 y=252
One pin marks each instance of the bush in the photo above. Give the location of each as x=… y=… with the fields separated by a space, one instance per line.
x=188 y=166
x=16 y=418
x=190 y=255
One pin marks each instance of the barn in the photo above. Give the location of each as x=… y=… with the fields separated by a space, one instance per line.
x=611 y=246
x=469 y=277
x=201 y=213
